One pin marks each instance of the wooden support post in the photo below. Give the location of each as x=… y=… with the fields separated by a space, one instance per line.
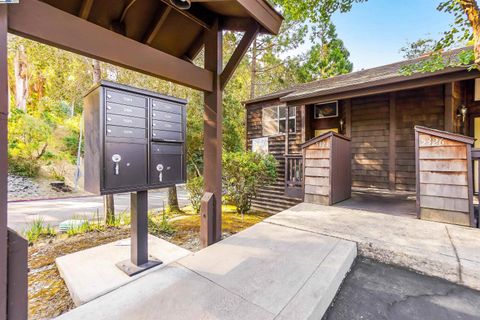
x=3 y=161
x=213 y=116
x=392 y=154
x=449 y=107
x=287 y=133
x=348 y=117
x=207 y=220
x=17 y=277
x=303 y=116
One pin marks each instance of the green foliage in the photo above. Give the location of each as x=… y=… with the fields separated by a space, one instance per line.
x=160 y=224
x=195 y=192
x=437 y=61
x=418 y=48
x=81 y=228
x=28 y=138
x=38 y=229
x=326 y=59
x=243 y=174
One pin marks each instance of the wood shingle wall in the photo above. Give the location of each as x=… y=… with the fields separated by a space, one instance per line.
x=444 y=177
x=272 y=199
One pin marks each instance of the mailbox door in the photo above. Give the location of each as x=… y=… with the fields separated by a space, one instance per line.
x=125 y=165
x=166 y=164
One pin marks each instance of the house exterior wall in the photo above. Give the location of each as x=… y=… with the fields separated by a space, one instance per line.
x=381 y=128
x=272 y=198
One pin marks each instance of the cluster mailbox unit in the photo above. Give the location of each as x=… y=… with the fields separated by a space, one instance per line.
x=134 y=141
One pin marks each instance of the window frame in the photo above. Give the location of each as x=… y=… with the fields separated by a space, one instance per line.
x=324 y=103
x=279 y=119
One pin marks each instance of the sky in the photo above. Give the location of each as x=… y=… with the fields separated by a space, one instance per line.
x=375 y=31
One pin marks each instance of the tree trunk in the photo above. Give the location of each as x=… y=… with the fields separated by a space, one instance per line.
x=473 y=14
x=109 y=209
x=108 y=201
x=173 y=200
x=21 y=79
x=253 y=69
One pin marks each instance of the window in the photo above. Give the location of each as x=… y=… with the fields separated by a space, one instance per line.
x=326 y=110
x=274 y=120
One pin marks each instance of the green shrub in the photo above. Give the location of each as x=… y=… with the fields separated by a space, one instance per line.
x=243 y=174
x=28 y=139
x=195 y=192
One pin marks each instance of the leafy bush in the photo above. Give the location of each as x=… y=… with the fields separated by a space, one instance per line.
x=195 y=192
x=243 y=174
x=28 y=139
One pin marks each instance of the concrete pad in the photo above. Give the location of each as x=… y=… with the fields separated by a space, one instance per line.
x=91 y=273
x=273 y=266
x=264 y=272
x=173 y=292
x=432 y=248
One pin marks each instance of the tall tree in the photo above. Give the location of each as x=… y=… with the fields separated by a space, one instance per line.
x=325 y=59
x=21 y=78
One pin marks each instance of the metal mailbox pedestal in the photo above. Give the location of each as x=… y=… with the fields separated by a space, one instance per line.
x=134 y=142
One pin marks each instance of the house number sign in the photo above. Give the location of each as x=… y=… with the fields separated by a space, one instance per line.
x=429 y=141
x=323 y=144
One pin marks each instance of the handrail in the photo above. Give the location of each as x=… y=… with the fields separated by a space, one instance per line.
x=294 y=170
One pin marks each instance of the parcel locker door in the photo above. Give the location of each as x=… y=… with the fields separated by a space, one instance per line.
x=125 y=165
x=166 y=164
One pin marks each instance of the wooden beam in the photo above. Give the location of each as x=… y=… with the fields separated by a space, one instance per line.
x=238 y=54
x=3 y=161
x=392 y=144
x=213 y=117
x=449 y=107
x=154 y=29
x=85 y=9
x=41 y=22
x=264 y=13
x=237 y=24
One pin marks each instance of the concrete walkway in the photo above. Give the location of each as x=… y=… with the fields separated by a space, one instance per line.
x=436 y=249
x=264 y=272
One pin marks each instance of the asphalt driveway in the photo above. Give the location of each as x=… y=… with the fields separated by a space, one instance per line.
x=22 y=213
x=376 y=291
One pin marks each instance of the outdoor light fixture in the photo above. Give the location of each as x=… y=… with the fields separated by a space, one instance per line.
x=342 y=123
x=181 y=4
x=462 y=112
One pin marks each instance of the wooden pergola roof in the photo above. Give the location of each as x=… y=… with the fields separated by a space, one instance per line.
x=150 y=36
x=155 y=37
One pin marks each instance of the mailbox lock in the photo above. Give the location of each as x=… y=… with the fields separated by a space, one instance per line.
x=160 y=169
x=116 y=158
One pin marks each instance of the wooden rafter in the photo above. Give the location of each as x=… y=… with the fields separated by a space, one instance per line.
x=238 y=54
x=155 y=28
x=41 y=22
x=195 y=48
x=85 y=9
